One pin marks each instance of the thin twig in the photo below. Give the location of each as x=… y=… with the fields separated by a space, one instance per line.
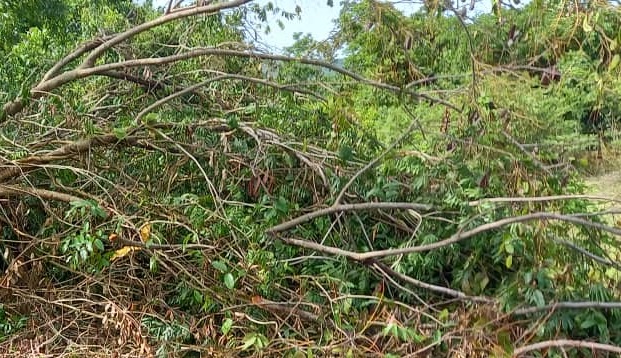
x=588 y=254
x=434 y=288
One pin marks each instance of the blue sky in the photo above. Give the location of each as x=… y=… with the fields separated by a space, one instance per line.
x=317 y=18
x=316 y=15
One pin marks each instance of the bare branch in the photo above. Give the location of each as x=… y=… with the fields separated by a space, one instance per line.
x=263 y=56
x=525 y=151
x=10 y=190
x=64 y=152
x=44 y=87
x=322 y=248
x=223 y=76
x=93 y=56
x=342 y=208
x=148 y=85
x=434 y=288
x=567 y=305
x=566 y=343
x=541 y=198
x=460 y=236
x=87 y=46
x=140 y=244
x=50 y=81
x=587 y=253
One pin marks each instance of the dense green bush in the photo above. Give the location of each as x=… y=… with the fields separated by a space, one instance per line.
x=158 y=224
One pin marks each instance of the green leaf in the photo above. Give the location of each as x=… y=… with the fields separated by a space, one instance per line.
x=220 y=266
x=509 y=248
x=226 y=326
x=588 y=323
x=483 y=280
x=444 y=315
x=388 y=329
x=198 y=296
x=528 y=277
x=509 y=261
x=249 y=341
x=99 y=211
x=120 y=133
x=346 y=153
x=505 y=341
x=281 y=205
x=538 y=298
x=98 y=244
x=229 y=281
x=151 y=118
x=347 y=303
x=233 y=123
x=153 y=264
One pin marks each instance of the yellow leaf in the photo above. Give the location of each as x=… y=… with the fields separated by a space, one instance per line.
x=585 y=24
x=145 y=232
x=122 y=252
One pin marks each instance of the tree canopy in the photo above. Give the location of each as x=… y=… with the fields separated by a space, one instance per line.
x=415 y=185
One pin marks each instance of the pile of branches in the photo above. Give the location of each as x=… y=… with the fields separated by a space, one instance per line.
x=105 y=185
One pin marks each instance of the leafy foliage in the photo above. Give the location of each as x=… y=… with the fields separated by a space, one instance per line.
x=191 y=192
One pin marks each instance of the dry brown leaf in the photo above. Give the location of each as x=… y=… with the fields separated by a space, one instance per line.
x=145 y=232
x=122 y=252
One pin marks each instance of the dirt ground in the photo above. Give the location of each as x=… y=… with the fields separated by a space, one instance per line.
x=607 y=184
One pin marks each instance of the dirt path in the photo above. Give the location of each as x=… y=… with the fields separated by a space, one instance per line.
x=607 y=185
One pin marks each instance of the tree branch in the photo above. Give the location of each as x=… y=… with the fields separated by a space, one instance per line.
x=434 y=288
x=541 y=198
x=222 y=76
x=566 y=343
x=80 y=146
x=148 y=85
x=93 y=56
x=41 y=89
x=567 y=305
x=50 y=81
x=11 y=190
x=87 y=46
x=460 y=236
x=587 y=253
x=342 y=208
